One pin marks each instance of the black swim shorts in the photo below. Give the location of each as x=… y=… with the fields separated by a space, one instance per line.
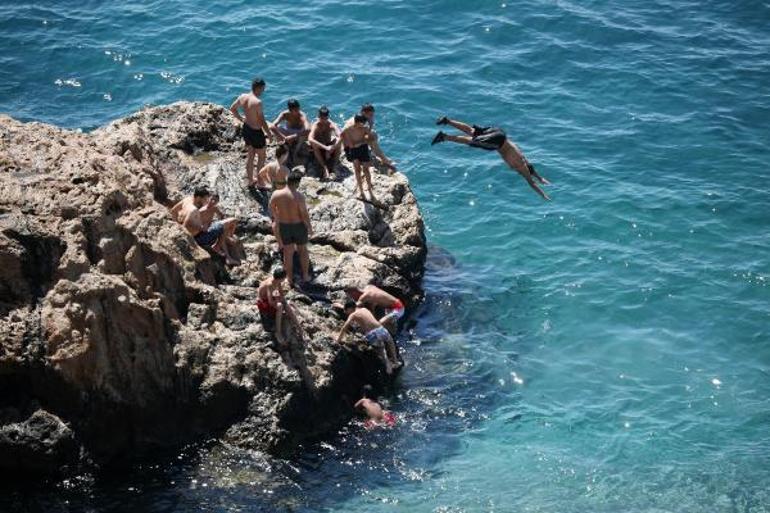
x=253 y=137
x=293 y=233
x=488 y=138
x=359 y=153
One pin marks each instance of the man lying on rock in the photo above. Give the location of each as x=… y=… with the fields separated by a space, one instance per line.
x=373 y=297
x=273 y=307
x=212 y=235
x=374 y=333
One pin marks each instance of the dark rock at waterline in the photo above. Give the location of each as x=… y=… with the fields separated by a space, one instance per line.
x=120 y=336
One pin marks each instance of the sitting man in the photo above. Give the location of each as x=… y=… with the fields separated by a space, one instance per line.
x=374 y=333
x=272 y=306
x=188 y=213
x=325 y=139
x=293 y=127
x=372 y=297
x=228 y=240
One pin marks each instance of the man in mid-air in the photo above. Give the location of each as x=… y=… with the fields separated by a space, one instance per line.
x=493 y=138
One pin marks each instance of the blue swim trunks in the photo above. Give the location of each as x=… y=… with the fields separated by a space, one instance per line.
x=210 y=236
x=378 y=337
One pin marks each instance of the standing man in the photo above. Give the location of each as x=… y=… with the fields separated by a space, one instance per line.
x=367 y=110
x=325 y=139
x=255 y=130
x=355 y=138
x=292 y=125
x=290 y=212
x=493 y=138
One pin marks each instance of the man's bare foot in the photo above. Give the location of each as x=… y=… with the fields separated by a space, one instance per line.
x=544 y=181
x=231 y=262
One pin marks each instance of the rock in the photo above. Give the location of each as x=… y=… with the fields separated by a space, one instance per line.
x=121 y=336
x=39 y=443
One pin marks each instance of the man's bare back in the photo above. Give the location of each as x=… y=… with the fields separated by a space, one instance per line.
x=364 y=320
x=252 y=109
x=372 y=409
x=287 y=205
x=373 y=295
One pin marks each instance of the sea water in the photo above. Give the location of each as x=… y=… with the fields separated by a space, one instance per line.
x=605 y=351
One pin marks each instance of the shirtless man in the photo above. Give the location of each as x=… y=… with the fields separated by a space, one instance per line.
x=255 y=130
x=372 y=297
x=374 y=333
x=493 y=138
x=325 y=139
x=293 y=126
x=228 y=240
x=187 y=213
x=367 y=110
x=274 y=175
x=355 y=138
x=272 y=306
x=376 y=415
x=290 y=213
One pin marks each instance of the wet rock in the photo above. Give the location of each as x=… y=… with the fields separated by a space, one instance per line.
x=135 y=338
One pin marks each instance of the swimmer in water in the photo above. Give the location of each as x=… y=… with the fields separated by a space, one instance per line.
x=493 y=138
x=376 y=415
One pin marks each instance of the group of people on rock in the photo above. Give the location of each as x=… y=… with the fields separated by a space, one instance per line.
x=292 y=129
x=200 y=215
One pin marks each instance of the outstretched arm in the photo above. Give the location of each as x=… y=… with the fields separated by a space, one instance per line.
x=535 y=186
x=344 y=330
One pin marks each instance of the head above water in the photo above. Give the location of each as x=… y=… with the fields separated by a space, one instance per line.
x=323 y=112
x=294 y=178
x=257 y=85
x=367 y=108
x=279 y=273
x=293 y=105
x=359 y=119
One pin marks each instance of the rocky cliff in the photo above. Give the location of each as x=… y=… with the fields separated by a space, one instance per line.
x=121 y=336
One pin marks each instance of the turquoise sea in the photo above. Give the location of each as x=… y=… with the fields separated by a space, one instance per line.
x=607 y=351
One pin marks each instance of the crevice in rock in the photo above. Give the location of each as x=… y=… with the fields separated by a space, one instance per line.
x=38 y=263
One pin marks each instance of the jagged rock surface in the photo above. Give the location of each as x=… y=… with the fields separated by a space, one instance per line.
x=120 y=335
